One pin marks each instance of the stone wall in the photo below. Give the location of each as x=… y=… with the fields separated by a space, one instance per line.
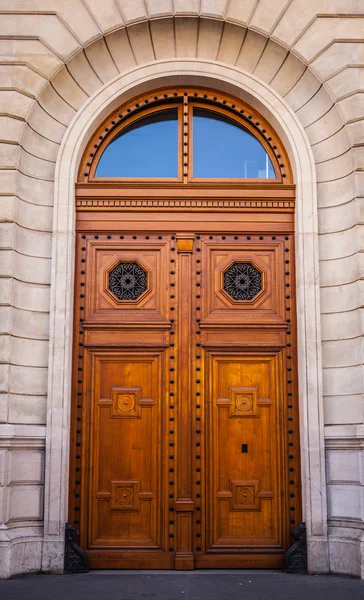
x=56 y=54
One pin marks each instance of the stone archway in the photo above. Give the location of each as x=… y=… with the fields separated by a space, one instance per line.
x=264 y=99
x=324 y=98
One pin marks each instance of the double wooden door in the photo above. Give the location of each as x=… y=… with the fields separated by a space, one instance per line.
x=185 y=433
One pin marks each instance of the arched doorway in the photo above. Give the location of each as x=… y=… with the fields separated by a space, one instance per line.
x=185 y=438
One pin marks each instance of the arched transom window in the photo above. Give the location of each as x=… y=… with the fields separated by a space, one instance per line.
x=186 y=136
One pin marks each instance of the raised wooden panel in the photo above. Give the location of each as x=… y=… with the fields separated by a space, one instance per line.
x=267 y=258
x=244 y=485
x=127 y=449
x=103 y=256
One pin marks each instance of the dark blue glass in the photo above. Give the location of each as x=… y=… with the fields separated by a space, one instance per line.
x=147 y=148
x=224 y=149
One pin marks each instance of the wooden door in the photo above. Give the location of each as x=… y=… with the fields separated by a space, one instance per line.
x=185 y=436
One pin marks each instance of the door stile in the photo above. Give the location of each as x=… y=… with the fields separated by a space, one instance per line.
x=184 y=504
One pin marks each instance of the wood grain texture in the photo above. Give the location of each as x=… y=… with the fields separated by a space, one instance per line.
x=185 y=433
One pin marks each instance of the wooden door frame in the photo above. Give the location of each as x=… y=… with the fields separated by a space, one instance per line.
x=309 y=350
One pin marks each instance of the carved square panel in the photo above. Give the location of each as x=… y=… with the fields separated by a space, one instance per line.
x=126 y=403
x=243 y=402
x=125 y=495
x=245 y=495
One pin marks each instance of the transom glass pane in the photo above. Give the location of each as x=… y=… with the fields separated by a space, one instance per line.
x=147 y=148
x=224 y=149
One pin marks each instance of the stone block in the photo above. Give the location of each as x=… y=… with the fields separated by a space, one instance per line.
x=5 y=348
x=25 y=467
x=355 y=131
x=303 y=91
x=24 y=503
x=339 y=410
x=186 y=7
x=351 y=108
x=345 y=555
x=22 y=78
x=9 y=156
x=11 y=129
x=338 y=381
x=4 y=405
x=141 y=43
x=344 y=466
x=315 y=108
x=162 y=31
x=341 y=353
x=346 y=83
x=240 y=12
x=339 y=271
x=55 y=106
x=230 y=43
x=120 y=50
x=31 y=52
x=26 y=352
x=7 y=237
x=17 y=104
x=251 y=51
x=4 y=378
x=267 y=14
x=35 y=191
x=28 y=380
x=46 y=125
x=335 y=58
x=270 y=61
x=28 y=214
x=186 y=31
x=324 y=30
x=338 y=218
x=105 y=13
x=209 y=37
x=68 y=89
x=321 y=130
x=160 y=8
x=345 y=501
x=30 y=324
x=49 y=29
x=337 y=326
x=33 y=243
x=8 y=206
x=5 y=319
x=83 y=73
x=29 y=296
x=338 y=245
x=38 y=168
x=38 y=145
x=7 y=263
x=336 y=192
x=27 y=409
x=340 y=298
x=7 y=182
x=334 y=146
x=133 y=11
x=213 y=8
x=101 y=61
x=6 y=290
x=32 y=269
x=358 y=155
x=288 y=75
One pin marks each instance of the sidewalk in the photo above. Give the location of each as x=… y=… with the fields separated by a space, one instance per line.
x=172 y=585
